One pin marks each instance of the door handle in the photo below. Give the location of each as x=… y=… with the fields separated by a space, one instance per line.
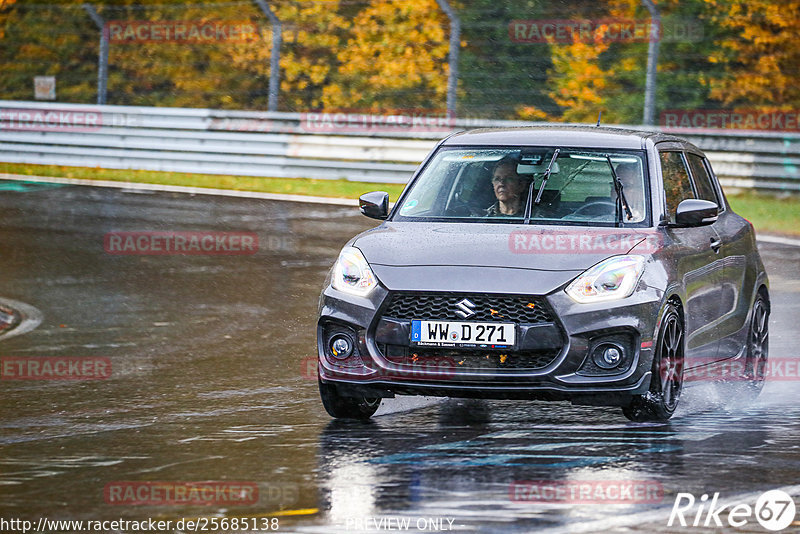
x=716 y=244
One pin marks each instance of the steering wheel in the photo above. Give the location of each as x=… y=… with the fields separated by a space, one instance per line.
x=459 y=208
x=596 y=204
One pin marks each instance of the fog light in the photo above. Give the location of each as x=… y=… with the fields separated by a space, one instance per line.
x=608 y=356
x=341 y=346
x=611 y=356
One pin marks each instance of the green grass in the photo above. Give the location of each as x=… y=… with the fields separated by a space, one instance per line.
x=293 y=186
x=768 y=213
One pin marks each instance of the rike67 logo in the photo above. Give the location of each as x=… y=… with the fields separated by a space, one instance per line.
x=774 y=510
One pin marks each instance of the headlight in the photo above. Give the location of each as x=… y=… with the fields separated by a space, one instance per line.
x=611 y=279
x=352 y=274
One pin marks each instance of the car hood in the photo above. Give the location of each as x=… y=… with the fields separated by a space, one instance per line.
x=487 y=257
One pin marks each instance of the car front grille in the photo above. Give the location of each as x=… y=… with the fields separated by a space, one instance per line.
x=492 y=308
x=446 y=360
x=517 y=309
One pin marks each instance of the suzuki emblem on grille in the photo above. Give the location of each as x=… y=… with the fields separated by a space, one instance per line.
x=465 y=308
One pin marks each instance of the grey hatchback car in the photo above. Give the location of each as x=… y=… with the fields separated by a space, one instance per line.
x=599 y=266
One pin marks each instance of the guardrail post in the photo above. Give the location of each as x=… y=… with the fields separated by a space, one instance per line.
x=652 y=65
x=455 y=45
x=102 y=57
x=274 y=55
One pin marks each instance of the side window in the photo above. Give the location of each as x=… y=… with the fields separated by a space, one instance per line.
x=677 y=186
x=702 y=181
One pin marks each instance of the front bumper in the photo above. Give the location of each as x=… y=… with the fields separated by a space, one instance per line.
x=552 y=359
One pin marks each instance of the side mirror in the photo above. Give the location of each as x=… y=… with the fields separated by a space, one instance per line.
x=696 y=212
x=374 y=205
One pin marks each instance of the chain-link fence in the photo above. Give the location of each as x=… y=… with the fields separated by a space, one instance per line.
x=513 y=60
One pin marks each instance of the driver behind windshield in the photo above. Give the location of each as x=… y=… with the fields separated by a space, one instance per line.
x=510 y=189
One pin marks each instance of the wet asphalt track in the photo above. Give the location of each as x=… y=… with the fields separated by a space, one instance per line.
x=210 y=382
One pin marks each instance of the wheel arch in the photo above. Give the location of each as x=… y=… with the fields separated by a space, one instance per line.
x=672 y=298
x=675 y=299
x=762 y=289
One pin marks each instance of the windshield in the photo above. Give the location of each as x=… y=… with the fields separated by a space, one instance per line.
x=502 y=185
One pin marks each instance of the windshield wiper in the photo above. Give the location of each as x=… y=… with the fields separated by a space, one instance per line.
x=529 y=204
x=622 y=202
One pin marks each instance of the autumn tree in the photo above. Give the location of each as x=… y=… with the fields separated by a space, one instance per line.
x=759 y=52
x=61 y=40
x=184 y=74
x=235 y=74
x=609 y=74
x=36 y=42
x=394 y=59
x=579 y=84
x=315 y=31
x=496 y=74
x=386 y=55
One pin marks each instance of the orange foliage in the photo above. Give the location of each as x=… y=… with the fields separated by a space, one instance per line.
x=761 y=55
x=394 y=59
x=579 y=82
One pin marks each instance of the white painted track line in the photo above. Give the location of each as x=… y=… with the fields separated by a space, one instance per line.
x=181 y=189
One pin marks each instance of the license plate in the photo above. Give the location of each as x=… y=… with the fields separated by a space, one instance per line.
x=461 y=334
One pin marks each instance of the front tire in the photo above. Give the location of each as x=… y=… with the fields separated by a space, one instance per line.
x=342 y=407
x=666 y=385
x=755 y=372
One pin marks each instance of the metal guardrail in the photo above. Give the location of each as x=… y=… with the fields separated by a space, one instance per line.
x=387 y=149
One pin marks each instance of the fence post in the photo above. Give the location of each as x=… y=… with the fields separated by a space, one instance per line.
x=274 y=55
x=102 y=59
x=455 y=45
x=652 y=65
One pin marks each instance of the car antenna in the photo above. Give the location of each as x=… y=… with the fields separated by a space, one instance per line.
x=600 y=114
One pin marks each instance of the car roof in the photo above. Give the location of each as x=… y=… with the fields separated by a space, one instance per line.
x=562 y=136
